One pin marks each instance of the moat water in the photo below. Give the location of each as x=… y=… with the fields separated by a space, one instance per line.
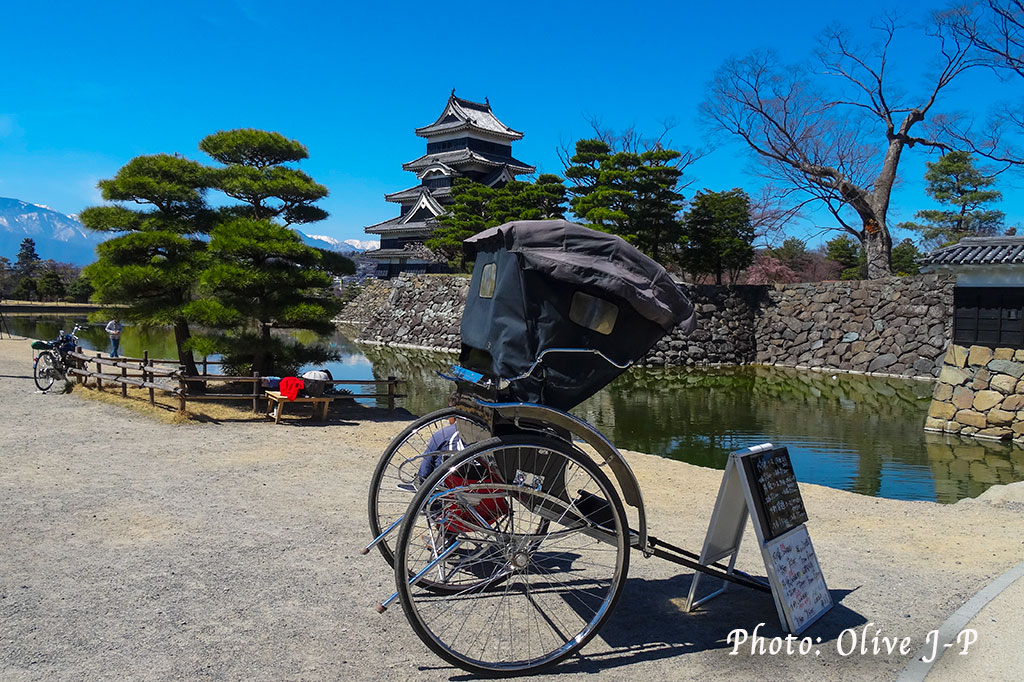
x=851 y=432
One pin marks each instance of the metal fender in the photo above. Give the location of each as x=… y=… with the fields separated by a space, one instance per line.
x=613 y=458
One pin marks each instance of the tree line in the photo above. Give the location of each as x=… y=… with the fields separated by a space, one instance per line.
x=30 y=278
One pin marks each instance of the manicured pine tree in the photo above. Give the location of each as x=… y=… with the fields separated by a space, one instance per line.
x=717 y=235
x=475 y=207
x=634 y=194
x=151 y=267
x=966 y=192
x=260 y=275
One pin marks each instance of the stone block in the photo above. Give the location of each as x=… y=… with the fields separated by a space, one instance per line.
x=1014 y=369
x=944 y=392
x=1013 y=402
x=998 y=417
x=981 y=380
x=954 y=376
x=956 y=355
x=850 y=337
x=934 y=424
x=963 y=397
x=941 y=410
x=1003 y=383
x=979 y=356
x=971 y=418
x=882 y=362
x=1003 y=354
x=986 y=400
x=1018 y=355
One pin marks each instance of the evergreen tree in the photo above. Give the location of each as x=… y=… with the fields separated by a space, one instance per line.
x=849 y=254
x=905 y=257
x=954 y=181
x=28 y=260
x=793 y=254
x=50 y=286
x=632 y=194
x=717 y=235
x=152 y=266
x=476 y=207
x=79 y=290
x=260 y=275
x=25 y=290
x=6 y=276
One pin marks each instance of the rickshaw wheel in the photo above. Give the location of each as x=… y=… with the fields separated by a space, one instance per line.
x=399 y=465
x=559 y=554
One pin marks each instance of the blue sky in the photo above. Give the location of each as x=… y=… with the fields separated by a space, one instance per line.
x=89 y=86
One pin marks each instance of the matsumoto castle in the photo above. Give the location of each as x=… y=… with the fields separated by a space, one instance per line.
x=467 y=140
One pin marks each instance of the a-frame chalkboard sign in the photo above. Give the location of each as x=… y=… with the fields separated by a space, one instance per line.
x=760 y=481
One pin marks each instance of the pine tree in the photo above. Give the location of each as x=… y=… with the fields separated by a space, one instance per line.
x=28 y=260
x=152 y=266
x=633 y=194
x=475 y=207
x=717 y=235
x=954 y=181
x=260 y=275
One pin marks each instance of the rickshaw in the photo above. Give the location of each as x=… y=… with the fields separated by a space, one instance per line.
x=512 y=552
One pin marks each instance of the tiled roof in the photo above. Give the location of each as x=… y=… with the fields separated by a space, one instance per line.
x=461 y=113
x=414 y=192
x=979 y=251
x=459 y=157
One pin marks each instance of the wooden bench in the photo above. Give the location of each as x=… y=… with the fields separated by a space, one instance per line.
x=277 y=401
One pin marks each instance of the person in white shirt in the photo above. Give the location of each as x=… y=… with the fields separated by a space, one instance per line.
x=114 y=330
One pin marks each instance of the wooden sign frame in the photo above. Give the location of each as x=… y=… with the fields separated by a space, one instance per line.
x=738 y=499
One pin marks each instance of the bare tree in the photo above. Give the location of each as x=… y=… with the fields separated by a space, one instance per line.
x=996 y=29
x=836 y=133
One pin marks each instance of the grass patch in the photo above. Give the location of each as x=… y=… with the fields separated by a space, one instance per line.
x=167 y=405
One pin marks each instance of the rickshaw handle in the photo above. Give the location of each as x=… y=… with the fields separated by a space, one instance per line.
x=503 y=383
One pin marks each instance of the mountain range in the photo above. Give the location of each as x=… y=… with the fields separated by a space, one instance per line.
x=57 y=235
x=63 y=238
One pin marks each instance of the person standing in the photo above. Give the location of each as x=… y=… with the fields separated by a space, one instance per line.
x=114 y=330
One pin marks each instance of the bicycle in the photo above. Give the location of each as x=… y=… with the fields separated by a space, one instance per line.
x=53 y=361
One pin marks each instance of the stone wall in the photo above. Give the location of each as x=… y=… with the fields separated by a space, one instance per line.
x=893 y=326
x=423 y=311
x=724 y=334
x=980 y=392
x=897 y=326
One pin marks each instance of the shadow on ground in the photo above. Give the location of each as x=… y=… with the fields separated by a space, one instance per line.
x=649 y=624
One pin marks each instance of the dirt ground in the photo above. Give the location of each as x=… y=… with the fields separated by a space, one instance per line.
x=134 y=549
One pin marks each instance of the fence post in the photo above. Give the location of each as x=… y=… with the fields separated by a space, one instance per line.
x=255 y=391
x=99 y=370
x=124 y=385
x=84 y=365
x=182 y=392
x=148 y=363
x=205 y=370
x=391 y=394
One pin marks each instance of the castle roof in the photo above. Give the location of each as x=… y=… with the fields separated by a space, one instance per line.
x=463 y=157
x=462 y=114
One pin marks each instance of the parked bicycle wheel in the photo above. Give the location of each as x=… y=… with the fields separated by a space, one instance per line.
x=395 y=477
x=47 y=369
x=558 y=544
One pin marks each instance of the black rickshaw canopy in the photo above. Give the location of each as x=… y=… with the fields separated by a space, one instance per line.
x=541 y=285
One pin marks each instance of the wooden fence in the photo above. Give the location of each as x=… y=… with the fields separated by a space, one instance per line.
x=154 y=375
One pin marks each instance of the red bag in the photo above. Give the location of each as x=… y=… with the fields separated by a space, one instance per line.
x=290 y=387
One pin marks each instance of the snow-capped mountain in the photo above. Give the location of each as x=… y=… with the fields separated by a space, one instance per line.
x=57 y=235
x=341 y=246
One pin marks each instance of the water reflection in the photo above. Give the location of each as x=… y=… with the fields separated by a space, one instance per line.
x=856 y=433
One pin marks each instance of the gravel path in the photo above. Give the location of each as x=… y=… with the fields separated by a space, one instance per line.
x=138 y=550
